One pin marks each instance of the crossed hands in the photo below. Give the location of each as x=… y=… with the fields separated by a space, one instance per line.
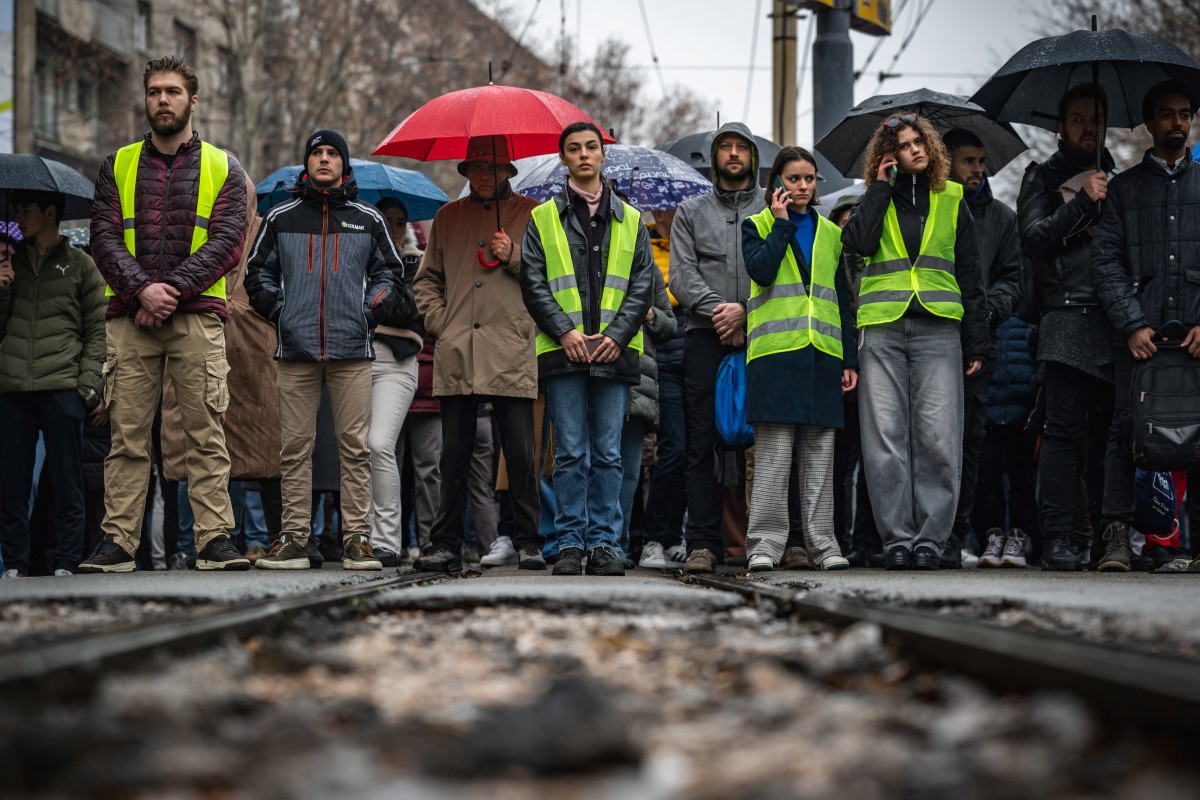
x=159 y=301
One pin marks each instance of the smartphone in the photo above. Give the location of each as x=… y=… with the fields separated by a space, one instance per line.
x=893 y=171
x=776 y=184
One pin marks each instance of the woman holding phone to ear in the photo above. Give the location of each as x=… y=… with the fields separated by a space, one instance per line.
x=922 y=324
x=586 y=281
x=800 y=358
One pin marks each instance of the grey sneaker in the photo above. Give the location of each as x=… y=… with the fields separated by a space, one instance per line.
x=795 y=558
x=285 y=554
x=994 y=550
x=530 y=558
x=357 y=554
x=700 y=561
x=1014 y=550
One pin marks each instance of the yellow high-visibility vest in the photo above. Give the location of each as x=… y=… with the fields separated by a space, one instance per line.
x=214 y=169
x=891 y=278
x=785 y=316
x=560 y=270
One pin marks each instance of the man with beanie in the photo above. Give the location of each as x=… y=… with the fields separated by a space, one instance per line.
x=998 y=244
x=709 y=279
x=168 y=222
x=468 y=291
x=321 y=270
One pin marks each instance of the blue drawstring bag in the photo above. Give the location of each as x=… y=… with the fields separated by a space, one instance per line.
x=731 y=401
x=1153 y=503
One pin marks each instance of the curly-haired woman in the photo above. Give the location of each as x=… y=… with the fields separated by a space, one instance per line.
x=922 y=323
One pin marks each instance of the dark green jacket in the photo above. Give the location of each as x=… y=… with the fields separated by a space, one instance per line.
x=52 y=324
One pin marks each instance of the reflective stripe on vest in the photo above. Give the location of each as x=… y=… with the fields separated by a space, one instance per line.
x=214 y=169
x=784 y=316
x=560 y=270
x=891 y=278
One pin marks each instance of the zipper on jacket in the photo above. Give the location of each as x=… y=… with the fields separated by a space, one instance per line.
x=162 y=242
x=321 y=288
x=33 y=315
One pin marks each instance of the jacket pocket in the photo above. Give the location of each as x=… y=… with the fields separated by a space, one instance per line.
x=109 y=374
x=216 y=384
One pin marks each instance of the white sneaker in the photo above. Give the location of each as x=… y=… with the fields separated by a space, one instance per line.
x=676 y=555
x=12 y=573
x=995 y=546
x=969 y=559
x=502 y=554
x=760 y=563
x=1014 y=550
x=653 y=556
x=62 y=573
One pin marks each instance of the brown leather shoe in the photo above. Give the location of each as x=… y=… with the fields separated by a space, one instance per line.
x=700 y=561
x=795 y=558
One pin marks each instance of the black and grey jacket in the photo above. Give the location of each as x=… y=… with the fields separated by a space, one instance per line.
x=321 y=270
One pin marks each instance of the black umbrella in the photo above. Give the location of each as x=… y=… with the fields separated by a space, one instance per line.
x=694 y=149
x=24 y=171
x=1029 y=85
x=845 y=146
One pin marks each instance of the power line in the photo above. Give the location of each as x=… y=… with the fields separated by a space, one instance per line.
x=879 y=40
x=753 y=57
x=650 y=41
x=904 y=44
x=504 y=67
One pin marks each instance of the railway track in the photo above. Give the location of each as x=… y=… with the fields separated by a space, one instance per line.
x=1134 y=687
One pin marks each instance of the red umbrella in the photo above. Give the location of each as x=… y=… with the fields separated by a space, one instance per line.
x=530 y=122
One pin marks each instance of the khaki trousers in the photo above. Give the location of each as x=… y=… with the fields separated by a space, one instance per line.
x=192 y=351
x=300 y=385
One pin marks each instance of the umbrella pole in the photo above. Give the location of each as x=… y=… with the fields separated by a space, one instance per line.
x=1096 y=101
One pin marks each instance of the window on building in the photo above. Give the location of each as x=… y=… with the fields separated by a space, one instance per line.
x=221 y=71
x=185 y=42
x=50 y=97
x=141 y=27
x=84 y=96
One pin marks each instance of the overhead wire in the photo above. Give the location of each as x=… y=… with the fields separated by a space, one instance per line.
x=507 y=64
x=883 y=75
x=653 y=55
x=753 y=58
x=879 y=40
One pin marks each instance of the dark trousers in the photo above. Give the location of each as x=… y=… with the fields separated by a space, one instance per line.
x=514 y=422
x=702 y=354
x=59 y=417
x=975 y=390
x=1118 y=460
x=1078 y=415
x=663 y=519
x=1008 y=450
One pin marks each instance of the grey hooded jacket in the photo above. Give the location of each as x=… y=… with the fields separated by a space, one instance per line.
x=707 y=268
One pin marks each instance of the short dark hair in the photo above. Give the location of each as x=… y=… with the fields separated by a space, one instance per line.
x=1165 y=89
x=579 y=127
x=960 y=137
x=785 y=156
x=1091 y=91
x=43 y=200
x=391 y=202
x=176 y=65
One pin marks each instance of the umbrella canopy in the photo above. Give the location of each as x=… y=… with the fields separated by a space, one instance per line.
x=1028 y=87
x=530 y=122
x=25 y=171
x=845 y=146
x=376 y=181
x=828 y=201
x=693 y=149
x=653 y=180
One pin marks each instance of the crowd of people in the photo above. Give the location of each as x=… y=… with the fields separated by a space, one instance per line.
x=929 y=375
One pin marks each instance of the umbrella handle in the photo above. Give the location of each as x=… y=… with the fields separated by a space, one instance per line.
x=483 y=260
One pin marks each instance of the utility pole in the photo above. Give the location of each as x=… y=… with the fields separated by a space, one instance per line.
x=783 y=71
x=833 y=80
x=25 y=58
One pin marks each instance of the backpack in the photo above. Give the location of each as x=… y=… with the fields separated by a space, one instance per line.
x=1164 y=407
x=731 y=401
x=1153 y=503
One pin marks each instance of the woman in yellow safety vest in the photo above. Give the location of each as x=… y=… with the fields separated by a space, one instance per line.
x=800 y=358
x=922 y=323
x=586 y=281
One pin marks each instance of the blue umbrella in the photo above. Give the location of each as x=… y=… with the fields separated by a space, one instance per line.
x=653 y=180
x=376 y=181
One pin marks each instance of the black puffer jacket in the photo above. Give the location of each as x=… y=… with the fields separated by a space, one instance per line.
x=1146 y=250
x=1055 y=235
x=999 y=249
x=551 y=319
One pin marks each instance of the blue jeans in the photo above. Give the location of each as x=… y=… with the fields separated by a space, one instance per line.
x=588 y=414
x=631 y=462
x=667 y=491
x=253 y=519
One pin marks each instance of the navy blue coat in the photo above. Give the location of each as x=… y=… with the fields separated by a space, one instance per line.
x=800 y=387
x=1018 y=375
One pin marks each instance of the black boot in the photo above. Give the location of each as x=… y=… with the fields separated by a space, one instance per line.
x=951 y=557
x=1116 y=548
x=1061 y=554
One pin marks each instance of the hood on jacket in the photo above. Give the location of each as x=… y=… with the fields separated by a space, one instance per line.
x=737 y=129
